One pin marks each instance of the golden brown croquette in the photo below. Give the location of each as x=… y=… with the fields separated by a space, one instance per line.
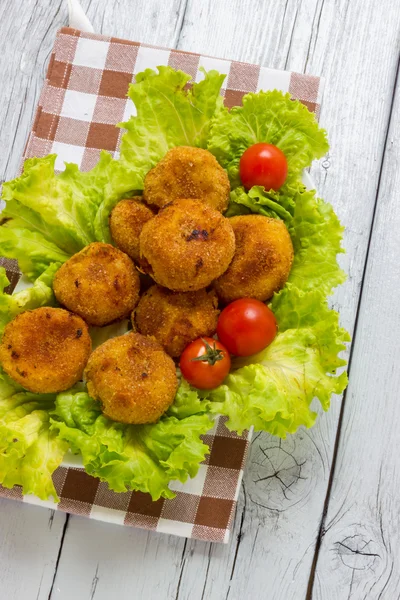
x=99 y=283
x=187 y=245
x=176 y=318
x=45 y=350
x=126 y=221
x=262 y=261
x=134 y=379
x=187 y=172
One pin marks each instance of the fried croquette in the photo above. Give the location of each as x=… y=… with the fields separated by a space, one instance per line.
x=46 y=349
x=187 y=245
x=262 y=260
x=176 y=318
x=99 y=283
x=187 y=172
x=134 y=379
x=126 y=221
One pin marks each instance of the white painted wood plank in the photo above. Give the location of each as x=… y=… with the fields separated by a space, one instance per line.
x=29 y=541
x=26 y=37
x=359 y=556
x=102 y=561
x=152 y=21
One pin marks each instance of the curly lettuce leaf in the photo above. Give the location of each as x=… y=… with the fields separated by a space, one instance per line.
x=316 y=234
x=120 y=184
x=128 y=457
x=51 y=216
x=33 y=251
x=29 y=451
x=168 y=115
x=295 y=309
x=40 y=294
x=277 y=205
x=271 y=117
x=273 y=390
x=187 y=402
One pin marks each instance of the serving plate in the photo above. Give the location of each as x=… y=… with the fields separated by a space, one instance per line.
x=82 y=100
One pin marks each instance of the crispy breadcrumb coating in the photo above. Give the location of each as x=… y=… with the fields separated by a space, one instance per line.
x=176 y=318
x=46 y=349
x=99 y=283
x=126 y=221
x=187 y=245
x=134 y=379
x=187 y=172
x=262 y=260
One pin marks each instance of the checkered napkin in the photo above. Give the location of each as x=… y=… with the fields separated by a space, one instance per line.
x=83 y=98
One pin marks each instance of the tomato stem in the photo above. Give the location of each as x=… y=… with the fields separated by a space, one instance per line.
x=211 y=355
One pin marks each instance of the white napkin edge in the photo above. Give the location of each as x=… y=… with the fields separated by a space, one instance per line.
x=78 y=18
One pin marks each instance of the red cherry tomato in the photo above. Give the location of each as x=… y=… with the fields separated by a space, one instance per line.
x=246 y=326
x=205 y=363
x=265 y=165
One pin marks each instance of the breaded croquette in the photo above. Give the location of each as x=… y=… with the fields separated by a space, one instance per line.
x=187 y=172
x=99 y=283
x=262 y=261
x=187 y=245
x=134 y=379
x=45 y=350
x=176 y=318
x=126 y=221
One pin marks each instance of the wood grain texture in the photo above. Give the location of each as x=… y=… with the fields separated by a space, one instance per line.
x=26 y=37
x=359 y=555
x=283 y=494
x=109 y=561
x=30 y=539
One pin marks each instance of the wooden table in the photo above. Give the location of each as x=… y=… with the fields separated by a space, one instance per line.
x=318 y=515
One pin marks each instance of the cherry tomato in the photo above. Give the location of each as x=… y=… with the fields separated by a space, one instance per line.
x=205 y=363
x=246 y=326
x=265 y=165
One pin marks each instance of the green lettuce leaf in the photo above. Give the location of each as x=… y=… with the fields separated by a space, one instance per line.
x=40 y=294
x=316 y=234
x=29 y=451
x=131 y=457
x=60 y=206
x=33 y=252
x=120 y=184
x=278 y=205
x=271 y=117
x=273 y=390
x=50 y=216
x=295 y=309
x=188 y=402
x=168 y=115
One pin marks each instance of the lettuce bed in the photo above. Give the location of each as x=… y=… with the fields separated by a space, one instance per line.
x=49 y=217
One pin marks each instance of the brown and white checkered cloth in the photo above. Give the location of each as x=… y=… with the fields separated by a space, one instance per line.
x=83 y=98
